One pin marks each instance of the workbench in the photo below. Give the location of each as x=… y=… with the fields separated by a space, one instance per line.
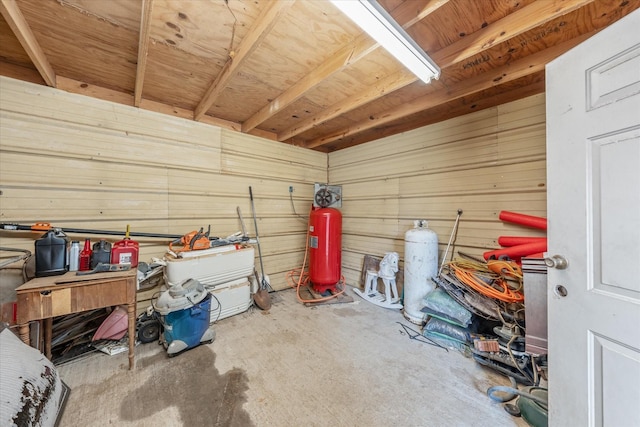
x=44 y=298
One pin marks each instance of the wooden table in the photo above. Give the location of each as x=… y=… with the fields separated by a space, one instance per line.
x=47 y=297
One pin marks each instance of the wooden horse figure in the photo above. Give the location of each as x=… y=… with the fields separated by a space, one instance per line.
x=387 y=272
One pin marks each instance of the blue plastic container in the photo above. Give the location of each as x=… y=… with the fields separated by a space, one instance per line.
x=188 y=325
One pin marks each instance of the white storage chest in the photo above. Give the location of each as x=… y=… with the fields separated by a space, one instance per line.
x=224 y=271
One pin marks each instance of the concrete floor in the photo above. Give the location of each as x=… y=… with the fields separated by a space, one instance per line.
x=330 y=365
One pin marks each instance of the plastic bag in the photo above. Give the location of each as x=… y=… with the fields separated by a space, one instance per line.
x=448 y=330
x=440 y=305
x=448 y=335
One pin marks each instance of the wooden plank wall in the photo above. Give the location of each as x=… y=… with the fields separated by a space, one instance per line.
x=79 y=162
x=482 y=163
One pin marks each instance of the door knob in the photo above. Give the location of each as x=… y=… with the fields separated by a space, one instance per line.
x=556 y=261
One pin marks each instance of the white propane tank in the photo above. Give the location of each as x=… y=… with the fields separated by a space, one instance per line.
x=420 y=265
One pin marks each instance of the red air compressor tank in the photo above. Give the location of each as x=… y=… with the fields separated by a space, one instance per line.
x=325 y=249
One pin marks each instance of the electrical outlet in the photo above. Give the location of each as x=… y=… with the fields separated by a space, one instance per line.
x=291 y=189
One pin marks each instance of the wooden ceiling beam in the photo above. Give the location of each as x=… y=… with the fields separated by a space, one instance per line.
x=14 y=17
x=412 y=12
x=518 y=22
x=143 y=49
x=449 y=110
x=520 y=68
x=393 y=82
x=261 y=28
x=346 y=56
x=405 y=14
x=510 y=26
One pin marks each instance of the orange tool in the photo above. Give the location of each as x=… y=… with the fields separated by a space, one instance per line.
x=193 y=241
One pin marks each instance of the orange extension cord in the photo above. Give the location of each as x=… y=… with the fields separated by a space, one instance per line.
x=303 y=277
x=500 y=290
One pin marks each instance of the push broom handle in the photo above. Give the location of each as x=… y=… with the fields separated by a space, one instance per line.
x=255 y=223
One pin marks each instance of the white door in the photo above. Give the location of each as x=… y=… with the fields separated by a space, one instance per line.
x=593 y=209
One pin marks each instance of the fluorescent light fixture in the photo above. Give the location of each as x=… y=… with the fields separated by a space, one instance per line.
x=374 y=20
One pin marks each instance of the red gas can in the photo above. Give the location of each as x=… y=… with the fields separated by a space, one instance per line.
x=125 y=251
x=325 y=248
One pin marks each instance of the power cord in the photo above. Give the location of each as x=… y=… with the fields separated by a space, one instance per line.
x=293 y=207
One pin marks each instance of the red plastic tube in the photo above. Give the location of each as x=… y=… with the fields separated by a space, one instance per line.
x=522 y=219
x=518 y=251
x=517 y=240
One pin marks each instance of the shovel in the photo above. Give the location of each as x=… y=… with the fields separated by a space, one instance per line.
x=261 y=298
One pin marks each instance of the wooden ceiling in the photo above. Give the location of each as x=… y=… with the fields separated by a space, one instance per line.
x=294 y=71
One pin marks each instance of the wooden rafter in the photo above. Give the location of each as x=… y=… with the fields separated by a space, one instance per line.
x=520 y=68
x=405 y=15
x=518 y=22
x=14 y=17
x=263 y=25
x=94 y=49
x=455 y=108
x=143 y=49
x=342 y=59
x=393 y=82
x=498 y=32
x=412 y=12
